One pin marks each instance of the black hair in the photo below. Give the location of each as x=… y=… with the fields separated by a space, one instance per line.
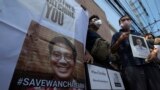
x=65 y=41
x=93 y=16
x=122 y=17
x=149 y=34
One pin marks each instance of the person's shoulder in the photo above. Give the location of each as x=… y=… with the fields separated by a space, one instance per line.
x=135 y=32
x=91 y=34
x=116 y=34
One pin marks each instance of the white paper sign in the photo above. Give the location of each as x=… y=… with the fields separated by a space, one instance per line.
x=139 y=46
x=98 y=78
x=115 y=80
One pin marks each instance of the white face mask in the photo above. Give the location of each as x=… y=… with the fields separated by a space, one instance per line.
x=98 y=23
x=125 y=24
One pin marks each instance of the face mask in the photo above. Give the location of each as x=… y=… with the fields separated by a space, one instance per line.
x=122 y=25
x=98 y=23
x=126 y=24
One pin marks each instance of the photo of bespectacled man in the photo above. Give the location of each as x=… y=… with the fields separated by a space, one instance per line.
x=139 y=46
x=139 y=43
x=49 y=61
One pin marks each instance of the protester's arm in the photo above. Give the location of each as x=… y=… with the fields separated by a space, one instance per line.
x=152 y=56
x=88 y=57
x=157 y=41
x=114 y=61
x=117 y=43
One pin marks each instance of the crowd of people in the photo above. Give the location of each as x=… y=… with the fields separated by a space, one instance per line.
x=137 y=73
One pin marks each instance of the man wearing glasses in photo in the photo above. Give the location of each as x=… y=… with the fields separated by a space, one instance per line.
x=62 y=56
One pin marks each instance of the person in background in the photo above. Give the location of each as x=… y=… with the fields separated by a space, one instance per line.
x=153 y=67
x=152 y=39
x=95 y=44
x=153 y=43
x=91 y=37
x=134 y=70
